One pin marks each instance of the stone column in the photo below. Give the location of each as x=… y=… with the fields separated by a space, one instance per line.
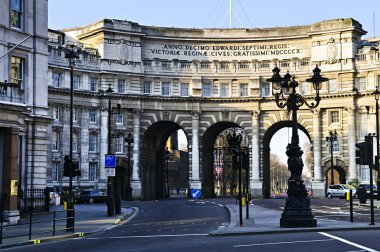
x=353 y=174
x=318 y=186
x=103 y=144
x=195 y=181
x=136 y=180
x=255 y=182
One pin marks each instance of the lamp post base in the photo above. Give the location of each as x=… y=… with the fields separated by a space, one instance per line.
x=297 y=211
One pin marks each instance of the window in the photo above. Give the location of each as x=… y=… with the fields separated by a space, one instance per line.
x=361 y=83
x=118 y=144
x=57 y=79
x=147 y=87
x=364 y=173
x=206 y=89
x=121 y=86
x=92 y=115
x=184 y=89
x=334 y=116
x=243 y=65
x=55 y=112
x=305 y=88
x=332 y=86
x=363 y=125
x=165 y=88
x=92 y=146
x=17 y=71
x=76 y=82
x=243 y=89
x=55 y=171
x=75 y=142
x=55 y=141
x=335 y=145
x=17 y=13
x=92 y=168
x=224 y=90
x=265 y=89
x=75 y=115
x=119 y=118
x=93 y=84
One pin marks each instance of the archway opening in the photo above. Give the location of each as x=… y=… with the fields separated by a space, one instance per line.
x=165 y=162
x=219 y=175
x=339 y=175
x=274 y=170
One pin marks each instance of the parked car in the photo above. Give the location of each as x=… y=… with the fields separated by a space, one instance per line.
x=367 y=187
x=53 y=194
x=340 y=190
x=91 y=196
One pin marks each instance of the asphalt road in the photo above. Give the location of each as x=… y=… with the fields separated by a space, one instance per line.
x=183 y=225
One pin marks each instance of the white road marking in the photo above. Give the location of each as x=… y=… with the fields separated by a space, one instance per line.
x=348 y=242
x=126 y=220
x=220 y=205
x=279 y=243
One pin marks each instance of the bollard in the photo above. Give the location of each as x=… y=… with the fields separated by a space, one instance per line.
x=351 y=208
x=348 y=195
x=242 y=200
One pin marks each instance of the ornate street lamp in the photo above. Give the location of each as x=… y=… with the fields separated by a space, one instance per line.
x=331 y=140
x=297 y=211
x=129 y=140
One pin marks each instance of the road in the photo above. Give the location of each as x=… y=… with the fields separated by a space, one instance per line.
x=183 y=225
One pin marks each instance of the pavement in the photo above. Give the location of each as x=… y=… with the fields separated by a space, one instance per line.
x=263 y=221
x=89 y=219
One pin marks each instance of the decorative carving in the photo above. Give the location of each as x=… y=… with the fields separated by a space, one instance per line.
x=166 y=115
x=123 y=52
x=255 y=114
x=285 y=115
x=225 y=115
x=316 y=112
x=196 y=114
x=331 y=51
x=350 y=110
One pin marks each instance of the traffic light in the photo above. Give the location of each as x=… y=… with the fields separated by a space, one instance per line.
x=364 y=153
x=76 y=170
x=71 y=168
x=360 y=153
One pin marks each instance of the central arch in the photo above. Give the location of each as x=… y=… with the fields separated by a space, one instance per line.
x=266 y=152
x=153 y=165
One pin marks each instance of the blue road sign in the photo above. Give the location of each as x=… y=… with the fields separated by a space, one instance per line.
x=110 y=161
x=195 y=193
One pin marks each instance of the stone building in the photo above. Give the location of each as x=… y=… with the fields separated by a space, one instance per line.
x=24 y=116
x=205 y=81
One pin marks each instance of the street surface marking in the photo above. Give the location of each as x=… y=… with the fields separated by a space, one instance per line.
x=279 y=243
x=348 y=242
x=126 y=220
x=144 y=236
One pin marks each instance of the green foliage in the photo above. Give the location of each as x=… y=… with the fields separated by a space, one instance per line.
x=354 y=183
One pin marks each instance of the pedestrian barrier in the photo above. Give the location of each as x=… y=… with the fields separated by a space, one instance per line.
x=33 y=225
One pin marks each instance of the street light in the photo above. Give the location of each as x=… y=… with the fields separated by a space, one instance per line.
x=297 y=211
x=377 y=95
x=167 y=156
x=110 y=199
x=72 y=53
x=332 y=139
x=129 y=140
x=234 y=141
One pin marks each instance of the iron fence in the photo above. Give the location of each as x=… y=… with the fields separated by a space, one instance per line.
x=33 y=200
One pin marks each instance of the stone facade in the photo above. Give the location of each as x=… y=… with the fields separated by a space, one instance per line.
x=204 y=81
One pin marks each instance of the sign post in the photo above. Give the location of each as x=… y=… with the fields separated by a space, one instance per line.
x=110 y=165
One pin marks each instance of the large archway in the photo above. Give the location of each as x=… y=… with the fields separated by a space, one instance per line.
x=163 y=166
x=266 y=174
x=339 y=175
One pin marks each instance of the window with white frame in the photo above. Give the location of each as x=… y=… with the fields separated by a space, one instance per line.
x=334 y=116
x=92 y=142
x=361 y=83
x=305 y=88
x=75 y=142
x=92 y=168
x=92 y=115
x=265 y=89
x=364 y=173
x=55 y=141
x=243 y=89
x=335 y=145
x=332 y=86
x=118 y=144
x=76 y=82
x=55 y=112
x=121 y=86
x=184 y=89
x=165 y=88
x=55 y=171
x=224 y=90
x=93 y=84
x=17 y=13
x=119 y=118
x=57 y=79
x=147 y=88
x=17 y=71
x=206 y=89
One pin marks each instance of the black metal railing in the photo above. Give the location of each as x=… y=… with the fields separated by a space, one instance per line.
x=34 y=200
x=33 y=226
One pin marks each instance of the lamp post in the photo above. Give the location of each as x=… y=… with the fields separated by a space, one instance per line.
x=297 y=211
x=110 y=199
x=167 y=156
x=234 y=141
x=72 y=53
x=129 y=140
x=331 y=139
x=377 y=95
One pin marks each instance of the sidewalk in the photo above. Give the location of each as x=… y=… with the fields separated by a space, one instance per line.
x=89 y=219
x=264 y=221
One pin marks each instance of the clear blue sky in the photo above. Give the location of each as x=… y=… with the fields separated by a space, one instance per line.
x=213 y=13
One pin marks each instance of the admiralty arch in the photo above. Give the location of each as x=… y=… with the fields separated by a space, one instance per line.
x=203 y=82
